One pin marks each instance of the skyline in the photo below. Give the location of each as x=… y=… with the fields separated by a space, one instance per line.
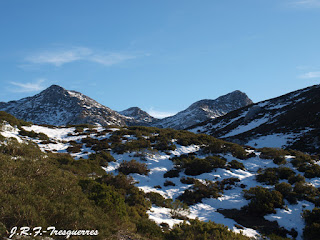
x=161 y=57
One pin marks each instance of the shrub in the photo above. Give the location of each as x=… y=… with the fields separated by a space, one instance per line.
x=285 y=172
x=12 y=120
x=149 y=228
x=236 y=165
x=105 y=197
x=197 y=166
x=133 y=145
x=101 y=145
x=306 y=191
x=74 y=148
x=197 y=229
x=168 y=183
x=217 y=162
x=37 y=193
x=199 y=191
x=312 y=220
x=133 y=166
x=287 y=192
x=25 y=149
x=179 y=210
x=102 y=157
x=263 y=200
x=187 y=180
x=81 y=167
x=171 y=173
x=237 y=151
x=134 y=197
x=164 y=145
x=312 y=171
x=158 y=200
x=273 y=153
x=279 y=160
x=271 y=176
x=228 y=183
x=33 y=134
x=296 y=178
x=268 y=176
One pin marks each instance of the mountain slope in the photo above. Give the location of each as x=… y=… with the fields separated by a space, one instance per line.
x=57 y=106
x=219 y=181
x=139 y=116
x=291 y=120
x=205 y=109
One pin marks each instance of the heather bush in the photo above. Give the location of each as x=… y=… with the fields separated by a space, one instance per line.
x=133 y=166
x=236 y=165
x=262 y=200
x=312 y=220
x=198 y=191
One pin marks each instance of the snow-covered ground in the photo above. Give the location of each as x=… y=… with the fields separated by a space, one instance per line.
x=244 y=128
x=159 y=162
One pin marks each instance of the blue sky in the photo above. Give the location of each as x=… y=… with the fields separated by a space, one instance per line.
x=159 y=55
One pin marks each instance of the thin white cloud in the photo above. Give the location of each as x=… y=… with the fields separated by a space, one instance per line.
x=310 y=75
x=160 y=114
x=306 y=3
x=28 y=87
x=60 y=57
x=110 y=59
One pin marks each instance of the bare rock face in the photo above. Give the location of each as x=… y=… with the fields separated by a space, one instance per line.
x=204 y=110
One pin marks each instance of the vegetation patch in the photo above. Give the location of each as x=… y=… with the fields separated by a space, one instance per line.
x=262 y=200
x=200 y=190
x=133 y=166
x=257 y=222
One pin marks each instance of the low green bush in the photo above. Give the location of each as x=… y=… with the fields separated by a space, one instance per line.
x=198 y=191
x=262 y=200
x=158 y=200
x=195 y=229
x=133 y=166
x=312 y=220
x=236 y=165
x=171 y=173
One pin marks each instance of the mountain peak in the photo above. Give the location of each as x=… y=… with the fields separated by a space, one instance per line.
x=54 y=87
x=58 y=106
x=290 y=120
x=205 y=109
x=138 y=115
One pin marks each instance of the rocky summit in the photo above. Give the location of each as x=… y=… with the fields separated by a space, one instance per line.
x=58 y=106
x=205 y=109
x=290 y=121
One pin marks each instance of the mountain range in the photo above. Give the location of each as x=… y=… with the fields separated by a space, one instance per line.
x=205 y=109
x=58 y=106
x=291 y=121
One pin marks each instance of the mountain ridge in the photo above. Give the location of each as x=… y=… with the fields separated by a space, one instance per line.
x=205 y=109
x=290 y=120
x=58 y=106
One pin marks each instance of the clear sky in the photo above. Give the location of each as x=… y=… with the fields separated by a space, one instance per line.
x=159 y=55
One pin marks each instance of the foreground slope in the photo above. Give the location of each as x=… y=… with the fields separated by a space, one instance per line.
x=186 y=175
x=53 y=189
x=291 y=121
x=205 y=109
